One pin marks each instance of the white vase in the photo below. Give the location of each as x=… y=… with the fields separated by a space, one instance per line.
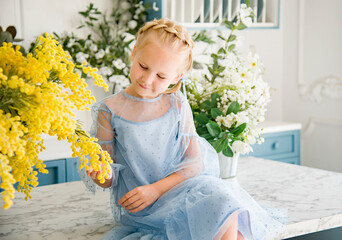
x=228 y=165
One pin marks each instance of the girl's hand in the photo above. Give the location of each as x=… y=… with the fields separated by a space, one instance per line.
x=139 y=198
x=94 y=174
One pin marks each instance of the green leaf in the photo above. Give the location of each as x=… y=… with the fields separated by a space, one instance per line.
x=228 y=152
x=207 y=137
x=213 y=128
x=85 y=14
x=228 y=24
x=222 y=134
x=206 y=77
x=218 y=145
x=214 y=97
x=202 y=130
x=231 y=47
x=241 y=26
x=215 y=112
x=221 y=69
x=239 y=129
x=202 y=37
x=231 y=38
x=202 y=118
x=213 y=55
x=222 y=37
x=234 y=107
x=212 y=72
x=221 y=51
x=206 y=105
x=89 y=23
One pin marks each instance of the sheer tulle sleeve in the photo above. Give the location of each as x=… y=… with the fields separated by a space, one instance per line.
x=103 y=130
x=196 y=155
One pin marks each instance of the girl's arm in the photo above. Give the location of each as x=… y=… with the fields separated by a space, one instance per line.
x=167 y=183
x=141 y=197
x=104 y=134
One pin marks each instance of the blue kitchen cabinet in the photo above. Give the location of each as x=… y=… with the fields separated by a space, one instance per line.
x=56 y=173
x=71 y=169
x=60 y=171
x=280 y=146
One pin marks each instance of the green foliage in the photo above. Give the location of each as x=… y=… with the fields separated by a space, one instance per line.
x=109 y=41
x=8 y=36
x=208 y=128
x=234 y=107
x=202 y=37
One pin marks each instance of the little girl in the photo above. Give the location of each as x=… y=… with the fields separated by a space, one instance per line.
x=164 y=182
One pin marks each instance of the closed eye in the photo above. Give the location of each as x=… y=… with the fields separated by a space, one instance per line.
x=143 y=67
x=161 y=77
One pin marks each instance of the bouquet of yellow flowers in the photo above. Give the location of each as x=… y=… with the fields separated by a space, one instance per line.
x=39 y=93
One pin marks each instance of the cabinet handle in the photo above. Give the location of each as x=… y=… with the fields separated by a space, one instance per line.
x=275 y=145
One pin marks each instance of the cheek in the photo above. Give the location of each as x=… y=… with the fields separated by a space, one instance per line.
x=163 y=85
x=134 y=72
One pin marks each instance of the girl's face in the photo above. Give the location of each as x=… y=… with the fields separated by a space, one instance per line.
x=154 y=67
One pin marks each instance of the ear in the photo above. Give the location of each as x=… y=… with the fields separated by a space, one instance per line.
x=178 y=78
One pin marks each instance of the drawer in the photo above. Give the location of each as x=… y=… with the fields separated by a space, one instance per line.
x=278 y=145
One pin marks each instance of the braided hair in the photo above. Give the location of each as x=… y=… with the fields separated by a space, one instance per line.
x=172 y=34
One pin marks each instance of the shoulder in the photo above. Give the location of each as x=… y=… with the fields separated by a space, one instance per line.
x=179 y=100
x=179 y=97
x=109 y=104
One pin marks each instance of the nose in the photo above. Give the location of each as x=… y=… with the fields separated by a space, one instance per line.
x=147 y=79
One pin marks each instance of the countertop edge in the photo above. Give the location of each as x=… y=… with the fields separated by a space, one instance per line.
x=312 y=226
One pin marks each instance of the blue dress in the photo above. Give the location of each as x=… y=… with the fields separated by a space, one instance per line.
x=149 y=139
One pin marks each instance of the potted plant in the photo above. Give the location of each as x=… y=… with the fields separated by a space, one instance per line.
x=228 y=97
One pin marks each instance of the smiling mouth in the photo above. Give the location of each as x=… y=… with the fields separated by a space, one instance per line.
x=142 y=86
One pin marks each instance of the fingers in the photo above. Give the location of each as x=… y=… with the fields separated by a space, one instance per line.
x=141 y=207
x=89 y=171
x=130 y=201
x=94 y=174
x=127 y=196
x=134 y=205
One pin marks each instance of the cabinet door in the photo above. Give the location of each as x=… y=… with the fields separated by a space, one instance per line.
x=280 y=146
x=71 y=170
x=56 y=173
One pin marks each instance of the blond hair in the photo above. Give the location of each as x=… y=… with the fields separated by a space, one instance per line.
x=170 y=33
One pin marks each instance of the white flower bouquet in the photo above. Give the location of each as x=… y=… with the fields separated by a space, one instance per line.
x=229 y=97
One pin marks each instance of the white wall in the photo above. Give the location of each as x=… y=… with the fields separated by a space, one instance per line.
x=321 y=56
x=312 y=52
x=34 y=17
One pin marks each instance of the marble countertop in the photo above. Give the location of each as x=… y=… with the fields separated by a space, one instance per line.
x=65 y=211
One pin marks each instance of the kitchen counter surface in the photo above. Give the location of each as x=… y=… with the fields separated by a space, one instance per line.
x=313 y=198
